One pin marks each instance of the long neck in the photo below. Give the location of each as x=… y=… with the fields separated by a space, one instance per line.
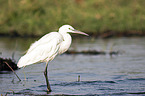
x=66 y=43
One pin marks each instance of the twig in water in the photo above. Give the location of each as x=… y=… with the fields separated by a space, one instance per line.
x=24 y=72
x=12 y=91
x=13 y=70
x=13 y=54
x=79 y=78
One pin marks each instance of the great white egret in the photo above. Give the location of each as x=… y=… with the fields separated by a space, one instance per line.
x=47 y=47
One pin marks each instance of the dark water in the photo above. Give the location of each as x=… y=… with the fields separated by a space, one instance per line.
x=122 y=74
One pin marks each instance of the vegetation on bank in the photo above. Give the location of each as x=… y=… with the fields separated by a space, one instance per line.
x=96 y=17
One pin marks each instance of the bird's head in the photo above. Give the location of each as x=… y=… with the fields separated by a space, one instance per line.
x=69 y=29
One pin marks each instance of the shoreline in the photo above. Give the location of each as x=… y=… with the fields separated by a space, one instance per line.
x=106 y=34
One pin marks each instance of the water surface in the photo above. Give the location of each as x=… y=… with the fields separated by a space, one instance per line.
x=122 y=74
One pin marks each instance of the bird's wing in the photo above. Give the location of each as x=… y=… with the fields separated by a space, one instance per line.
x=42 y=50
x=45 y=39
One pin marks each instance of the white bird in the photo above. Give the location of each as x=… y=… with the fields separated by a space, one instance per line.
x=47 y=47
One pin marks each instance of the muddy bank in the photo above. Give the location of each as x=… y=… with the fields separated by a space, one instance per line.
x=105 y=34
x=92 y=52
x=109 y=34
x=4 y=67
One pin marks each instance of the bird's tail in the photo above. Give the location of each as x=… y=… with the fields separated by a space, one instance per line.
x=21 y=62
x=24 y=61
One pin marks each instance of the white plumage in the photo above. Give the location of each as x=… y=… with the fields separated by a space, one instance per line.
x=47 y=47
x=42 y=50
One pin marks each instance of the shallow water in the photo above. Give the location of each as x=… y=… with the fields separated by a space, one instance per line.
x=122 y=74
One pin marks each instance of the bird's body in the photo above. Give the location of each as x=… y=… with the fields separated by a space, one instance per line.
x=47 y=47
x=42 y=50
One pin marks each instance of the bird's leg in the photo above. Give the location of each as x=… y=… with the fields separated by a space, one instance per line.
x=46 y=77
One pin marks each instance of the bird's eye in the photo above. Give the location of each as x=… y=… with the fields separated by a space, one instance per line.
x=69 y=28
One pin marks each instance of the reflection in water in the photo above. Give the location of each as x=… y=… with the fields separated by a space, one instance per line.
x=14 y=45
x=99 y=74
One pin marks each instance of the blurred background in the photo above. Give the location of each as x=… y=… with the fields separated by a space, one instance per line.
x=100 y=18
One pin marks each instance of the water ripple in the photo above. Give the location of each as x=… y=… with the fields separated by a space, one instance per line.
x=137 y=79
x=81 y=83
